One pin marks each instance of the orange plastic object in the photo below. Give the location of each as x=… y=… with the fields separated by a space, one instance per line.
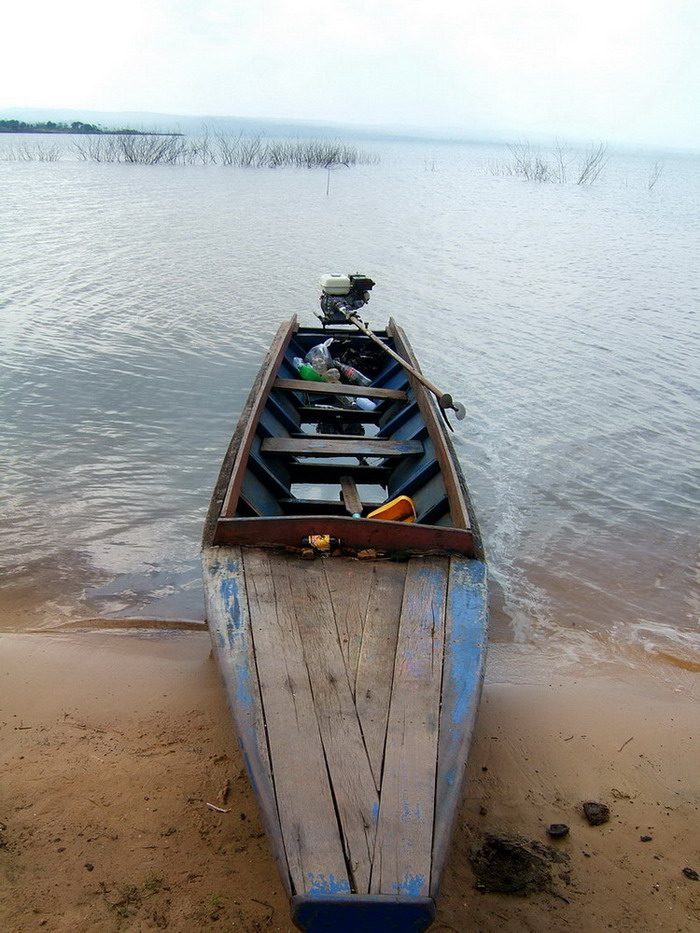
x=400 y=509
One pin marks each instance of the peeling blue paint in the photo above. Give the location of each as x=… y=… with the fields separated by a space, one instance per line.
x=375 y=813
x=410 y=885
x=467 y=606
x=408 y=815
x=320 y=885
x=251 y=771
x=235 y=630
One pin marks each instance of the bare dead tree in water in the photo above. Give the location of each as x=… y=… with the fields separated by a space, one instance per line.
x=654 y=174
x=529 y=163
x=553 y=165
x=562 y=159
x=592 y=164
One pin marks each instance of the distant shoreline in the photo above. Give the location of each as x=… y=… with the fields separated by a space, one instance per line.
x=74 y=129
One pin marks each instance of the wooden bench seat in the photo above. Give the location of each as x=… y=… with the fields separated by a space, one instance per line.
x=323 y=446
x=334 y=388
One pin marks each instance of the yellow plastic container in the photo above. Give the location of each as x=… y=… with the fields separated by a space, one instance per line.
x=400 y=509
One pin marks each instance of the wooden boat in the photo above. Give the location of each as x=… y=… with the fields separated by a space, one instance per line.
x=353 y=678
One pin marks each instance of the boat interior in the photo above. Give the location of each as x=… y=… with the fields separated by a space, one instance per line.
x=311 y=451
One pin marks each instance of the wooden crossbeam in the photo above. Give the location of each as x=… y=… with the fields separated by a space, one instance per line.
x=334 y=388
x=314 y=446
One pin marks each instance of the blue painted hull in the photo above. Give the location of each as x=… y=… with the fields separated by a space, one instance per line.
x=358 y=914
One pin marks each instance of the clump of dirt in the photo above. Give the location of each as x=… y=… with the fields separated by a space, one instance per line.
x=514 y=865
x=596 y=813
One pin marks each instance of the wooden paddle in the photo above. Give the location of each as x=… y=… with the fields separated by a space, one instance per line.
x=444 y=399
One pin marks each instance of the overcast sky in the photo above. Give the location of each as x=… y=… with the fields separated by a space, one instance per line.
x=616 y=70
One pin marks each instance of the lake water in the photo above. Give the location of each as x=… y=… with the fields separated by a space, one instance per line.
x=136 y=303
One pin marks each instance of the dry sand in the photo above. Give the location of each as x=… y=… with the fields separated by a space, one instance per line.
x=113 y=745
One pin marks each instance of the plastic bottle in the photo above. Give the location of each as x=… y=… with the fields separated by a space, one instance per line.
x=306 y=371
x=351 y=375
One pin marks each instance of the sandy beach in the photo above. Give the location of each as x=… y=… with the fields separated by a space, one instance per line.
x=125 y=806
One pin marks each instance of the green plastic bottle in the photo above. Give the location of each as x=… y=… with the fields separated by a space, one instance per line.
x=308 y=372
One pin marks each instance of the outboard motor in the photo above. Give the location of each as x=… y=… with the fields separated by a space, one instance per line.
x=343 y=295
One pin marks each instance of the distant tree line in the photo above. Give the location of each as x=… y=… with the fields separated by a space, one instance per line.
x=77 y=126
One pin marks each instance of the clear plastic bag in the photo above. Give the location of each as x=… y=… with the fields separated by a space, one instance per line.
x=320 y=357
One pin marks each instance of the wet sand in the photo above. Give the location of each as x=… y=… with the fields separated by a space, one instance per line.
x=112 y=748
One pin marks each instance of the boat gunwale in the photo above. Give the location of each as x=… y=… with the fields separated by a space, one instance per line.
x=234 y=463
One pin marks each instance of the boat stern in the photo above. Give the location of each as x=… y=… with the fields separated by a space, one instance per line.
x=358 y=913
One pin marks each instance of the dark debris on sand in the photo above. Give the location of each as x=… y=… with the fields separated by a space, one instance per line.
x=596 y=813
x=510 y=864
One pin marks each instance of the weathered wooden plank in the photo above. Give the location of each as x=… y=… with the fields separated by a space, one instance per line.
x=334 y=388
x=228 y=619
x=354 y=790
x=349 y=584
x=306 y=812
x=374 y=667
x=403 y=855
x=351 y=497
x=320 y=446
x=288 y=531
x=465 y=657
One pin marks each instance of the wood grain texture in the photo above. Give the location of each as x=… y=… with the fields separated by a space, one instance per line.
x=305 y=804
x=349 y=583
x=351 y=497
x=374 y=662
x=354 y=790
x=402 y=861
x=318 y=446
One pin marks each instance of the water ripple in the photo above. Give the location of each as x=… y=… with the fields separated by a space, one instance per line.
x=137 y=304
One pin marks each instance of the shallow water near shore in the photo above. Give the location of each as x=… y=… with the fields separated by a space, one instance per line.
x=138 y=301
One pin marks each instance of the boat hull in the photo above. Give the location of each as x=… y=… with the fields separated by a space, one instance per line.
x=353 y=672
